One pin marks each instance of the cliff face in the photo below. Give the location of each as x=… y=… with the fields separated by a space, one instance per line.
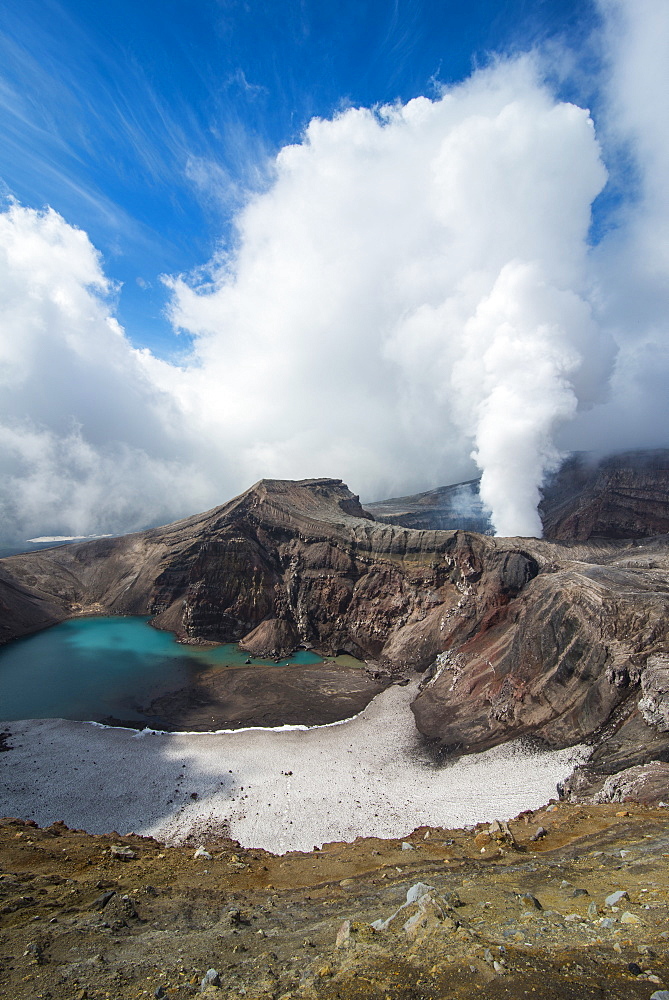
x=622 y=496
x=574 y=652
x=283 y=565
x=520 y=636
x=448 y=508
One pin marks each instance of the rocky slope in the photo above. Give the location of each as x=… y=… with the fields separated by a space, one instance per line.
x=579 y=653
x=565 y=903
x=518 y=637
x=620 y=496
x=285 y=564
x=554 y=640
x=448 y=508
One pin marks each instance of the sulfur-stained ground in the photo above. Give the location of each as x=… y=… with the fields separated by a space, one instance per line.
x=493 y=916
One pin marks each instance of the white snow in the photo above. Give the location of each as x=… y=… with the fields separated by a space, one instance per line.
x=281 y=790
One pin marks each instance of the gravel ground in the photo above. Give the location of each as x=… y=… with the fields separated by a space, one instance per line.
x=582 y=913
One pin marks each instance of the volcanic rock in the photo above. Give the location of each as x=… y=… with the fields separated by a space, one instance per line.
x=283 y=565
x=642 y=783
x=518 y=637
x=620 y=496
x=450 y=508
x=170 y=932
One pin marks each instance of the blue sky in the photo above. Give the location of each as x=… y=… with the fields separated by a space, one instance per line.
x=147 y=124
x=400 y=244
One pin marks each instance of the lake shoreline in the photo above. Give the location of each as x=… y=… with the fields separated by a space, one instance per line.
x=118 y=670
x=267 y=697
x=279 y=790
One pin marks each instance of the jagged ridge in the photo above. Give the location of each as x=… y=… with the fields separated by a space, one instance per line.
x=521 y=636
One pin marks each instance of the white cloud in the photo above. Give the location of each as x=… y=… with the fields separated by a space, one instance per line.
x=414 y=287
x=630 y=269
x=87 y=441
x=337 y=337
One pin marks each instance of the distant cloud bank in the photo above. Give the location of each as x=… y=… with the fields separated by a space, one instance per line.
x=414 y=296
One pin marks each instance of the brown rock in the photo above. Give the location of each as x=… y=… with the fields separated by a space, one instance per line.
x=122 y=853
x=622 y=496
x=521 y=636
x=482 y=839
x=643 y=783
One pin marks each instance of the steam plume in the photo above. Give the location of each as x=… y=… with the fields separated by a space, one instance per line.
x=415 y=288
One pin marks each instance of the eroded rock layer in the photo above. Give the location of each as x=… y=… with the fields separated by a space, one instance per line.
x=620 y=496
x=560 y=641
x=571 y=655
x=286 y=564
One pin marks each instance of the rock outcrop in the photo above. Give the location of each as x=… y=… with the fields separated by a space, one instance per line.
x=518 y=637
x=643 y=783
x=581 y=642
x=620 y=496
x=448 y=508
x=283 y=565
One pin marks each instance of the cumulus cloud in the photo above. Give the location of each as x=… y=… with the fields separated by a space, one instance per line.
x=88 y=442
x=409 y=290
x=411 y=298
x=630 y=268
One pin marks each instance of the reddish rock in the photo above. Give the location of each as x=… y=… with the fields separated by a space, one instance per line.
x=621 y=496
x=521 y=636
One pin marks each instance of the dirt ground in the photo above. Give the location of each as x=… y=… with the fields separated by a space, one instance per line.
x=234 y=697
x=493 y=914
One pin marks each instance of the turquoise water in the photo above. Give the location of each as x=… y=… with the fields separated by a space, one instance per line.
x=105 y=667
